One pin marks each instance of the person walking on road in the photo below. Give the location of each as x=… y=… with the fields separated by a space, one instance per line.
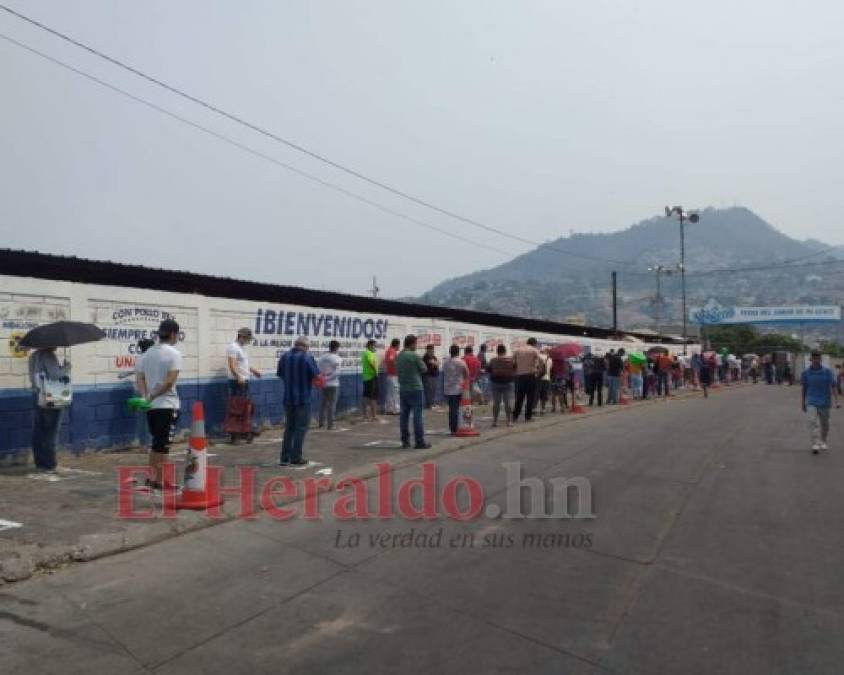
x=44 y=367
x=156 y=381
x=455 y=372
x=391 y=397
x=705 y=376
x=818 y=391
x=502 y=371
x=329 y=368
x=297 y=369
x=411 y=369
x=527 y=361
x=432 y=364
x=369 y=368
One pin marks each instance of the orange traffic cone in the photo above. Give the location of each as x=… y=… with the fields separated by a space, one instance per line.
x=196 y=493
x=467 y=422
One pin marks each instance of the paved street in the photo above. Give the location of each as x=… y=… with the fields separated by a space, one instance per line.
x=715 y=549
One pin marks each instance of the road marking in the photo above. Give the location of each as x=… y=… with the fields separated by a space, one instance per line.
x=9 y=524
x=49 y=477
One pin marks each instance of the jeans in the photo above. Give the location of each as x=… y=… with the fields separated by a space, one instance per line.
x=296 y=421
x=454 y=412
x=662 y=383
x=430 y=382
x=613 y=384
x=596 y=386
x=525 y=395
x=502 y=392
x=543 y=393
x=391 y=396
x=328 y=407
x=45 y=435
x=484 y=384
x=636 y=385
x=818 y=423
x=412 y=401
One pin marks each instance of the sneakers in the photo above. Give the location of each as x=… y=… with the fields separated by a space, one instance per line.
x=816 y=448
x=824 y=446
x=299 y=463
x=405 y=445
x=422 y=446
x=284 y=462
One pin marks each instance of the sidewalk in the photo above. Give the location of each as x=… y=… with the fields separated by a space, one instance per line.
x=50 y=521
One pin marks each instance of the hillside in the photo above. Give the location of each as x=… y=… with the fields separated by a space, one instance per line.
x=547 y=283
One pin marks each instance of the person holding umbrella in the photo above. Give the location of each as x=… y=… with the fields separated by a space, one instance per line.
x=44 y=369
x=50 y=382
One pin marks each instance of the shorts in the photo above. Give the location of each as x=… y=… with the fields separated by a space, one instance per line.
x=370 y=389
x=162 y=428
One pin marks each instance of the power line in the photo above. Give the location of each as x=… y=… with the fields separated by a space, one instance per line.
x=293 y=145
x=252 y=151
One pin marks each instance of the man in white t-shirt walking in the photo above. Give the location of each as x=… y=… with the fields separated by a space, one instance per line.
x=329 y=368
x=238 y=370
x=156 y=381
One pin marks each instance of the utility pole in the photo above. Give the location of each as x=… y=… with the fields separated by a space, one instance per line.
x=682 y=216
x=614 y=303
x=374 y=290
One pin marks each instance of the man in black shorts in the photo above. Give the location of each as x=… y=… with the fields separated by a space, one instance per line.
x=156 y=382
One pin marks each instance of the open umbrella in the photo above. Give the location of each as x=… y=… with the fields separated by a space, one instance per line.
x=637 y=357
x=750 y=356
x=709 y=356
x=62 y=334
x=658 y=350
x=565 y=351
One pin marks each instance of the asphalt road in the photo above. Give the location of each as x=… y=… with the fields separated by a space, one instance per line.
x=715 y=548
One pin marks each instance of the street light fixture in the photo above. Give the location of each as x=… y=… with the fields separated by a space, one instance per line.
x=682 y=216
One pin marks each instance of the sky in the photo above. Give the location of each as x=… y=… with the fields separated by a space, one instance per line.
x=536 y=118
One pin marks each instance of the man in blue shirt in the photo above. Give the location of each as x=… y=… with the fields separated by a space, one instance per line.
x=298 y=369
x=818 y=391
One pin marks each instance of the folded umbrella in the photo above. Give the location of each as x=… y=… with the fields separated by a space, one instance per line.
x=62 y=334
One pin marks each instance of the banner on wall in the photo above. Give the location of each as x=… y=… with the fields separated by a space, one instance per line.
x=714 y=313
x=126 y=324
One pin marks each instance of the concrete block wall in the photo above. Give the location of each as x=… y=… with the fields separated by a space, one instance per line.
x=98 y=418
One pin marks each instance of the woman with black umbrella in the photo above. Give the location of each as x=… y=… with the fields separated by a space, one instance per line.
x=45 y=373
x=50 y=382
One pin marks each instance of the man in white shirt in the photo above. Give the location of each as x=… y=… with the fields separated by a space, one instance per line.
x=238 y=370
x=329 y=368
x=156 y=381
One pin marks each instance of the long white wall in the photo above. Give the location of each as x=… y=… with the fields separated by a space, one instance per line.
x=209 y=324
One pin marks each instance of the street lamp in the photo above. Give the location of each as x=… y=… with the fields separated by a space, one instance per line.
x=682 y=216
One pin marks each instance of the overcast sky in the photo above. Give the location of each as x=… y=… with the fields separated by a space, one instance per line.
x=534 y=117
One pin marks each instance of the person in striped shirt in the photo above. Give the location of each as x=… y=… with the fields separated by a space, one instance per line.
x=298 y=369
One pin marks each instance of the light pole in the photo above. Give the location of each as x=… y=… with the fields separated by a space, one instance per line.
x=682 y=216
